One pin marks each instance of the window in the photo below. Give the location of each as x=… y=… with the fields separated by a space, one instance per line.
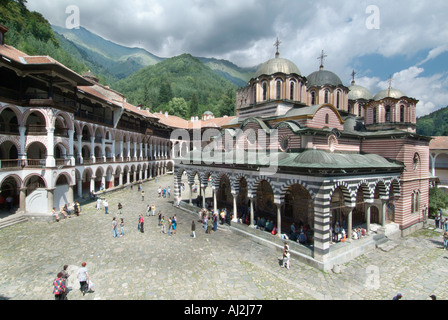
x=327 y=118
x=374 y=115
x=313 y=98
x=402 y=114
x=327 y=96
x=360 y=111
x=284 y=143
x=338 y=98
x=291 y=90
x=265 y=91
x=279 y=90
x=415 y=161
x=388 y=119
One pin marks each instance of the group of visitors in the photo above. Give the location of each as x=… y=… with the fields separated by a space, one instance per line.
x=209 y=220
x=164 y=192
x=441 y=222
x=60 y=284
x=65 y=212
x=171 y=222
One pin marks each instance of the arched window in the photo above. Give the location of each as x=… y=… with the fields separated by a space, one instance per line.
x=313 y=98
x=265 y=91
x=402 y=114
x=413 y=202
x=279 y=90
x=388 y=119
x=327 y=96
x=338 y=99
x=374 y=115
x=360 y=111
x=291 y=90
x=327 y=118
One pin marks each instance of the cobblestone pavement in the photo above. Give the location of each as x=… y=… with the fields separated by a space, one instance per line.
x=218 y=266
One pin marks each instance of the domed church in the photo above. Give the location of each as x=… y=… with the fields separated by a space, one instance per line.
x=310 y=154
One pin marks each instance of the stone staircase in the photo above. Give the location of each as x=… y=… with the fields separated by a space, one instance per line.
x=12 y=220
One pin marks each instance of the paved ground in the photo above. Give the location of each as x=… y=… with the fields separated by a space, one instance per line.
x=218 y=266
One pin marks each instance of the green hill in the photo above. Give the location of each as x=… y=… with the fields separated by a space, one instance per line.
x=180 y=77
x=434 y=124
x=229 y=71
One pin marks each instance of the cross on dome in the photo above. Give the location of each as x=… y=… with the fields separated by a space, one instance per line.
x=277 y=45
x=322 y=58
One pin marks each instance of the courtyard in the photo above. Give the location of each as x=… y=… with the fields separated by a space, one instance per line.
x=222 y=265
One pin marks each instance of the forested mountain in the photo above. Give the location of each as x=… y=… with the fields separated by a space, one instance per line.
x=197 y=87
x=434 y=124
x=118 y=60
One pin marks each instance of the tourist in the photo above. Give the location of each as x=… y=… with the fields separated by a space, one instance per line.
x=143 y=195
x=120 y=209
x=293 y=228
x=433 y=297
x=162 y=223
x=336 y=232
x=174 y=225
x=209 y=225
x=114 y=227
x=170 y=224
x=148 y=209
x=445 y=240
x=83 y=277
x=302 y=237
x=141 y=223
x=215 y=222
x=159 y=217
x=398 y=297
x=65 y=276
x=106 y=206
x=122 y=227
x=168 y=190
x=62 y=211
x=98 y=204
x=205 y=218
x=446 y=224
x=223 y=216
x=59 y=288
x=55 y=214
x=193 y=229
x=159 y=191
x=286 y=259
x=77 y=208
x=153 y=210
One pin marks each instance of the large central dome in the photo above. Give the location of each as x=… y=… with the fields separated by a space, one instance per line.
x=323 y=77
x=277 y=65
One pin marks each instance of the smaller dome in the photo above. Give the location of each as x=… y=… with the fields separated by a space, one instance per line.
x=323 y=77
x=358 y=92
x=313 y=156
x=90 y=76
x=277 y=65
x=389 y=93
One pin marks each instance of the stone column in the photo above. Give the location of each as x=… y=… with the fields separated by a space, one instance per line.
x=383 y=212
x=215 y=202
x=120 y=179
x=279 y=219
x=22 y=200
x=204 y=188
x=235 y=208
x=322 y=216
x=50 y=161
x=50 y=198
x=349 y=212
x=79 y=185
x=22 y=154
x=70 y=195
x=368 y=219
x=252 y=214
x=92 y=149
x=71 y=148
x=191 y=194
x=79 y=141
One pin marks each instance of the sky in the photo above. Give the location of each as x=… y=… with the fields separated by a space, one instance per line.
x=405 y=40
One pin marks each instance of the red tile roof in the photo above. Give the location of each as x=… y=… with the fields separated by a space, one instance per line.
x=438 y=143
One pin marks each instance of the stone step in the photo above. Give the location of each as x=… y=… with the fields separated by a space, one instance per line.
x=12 y=220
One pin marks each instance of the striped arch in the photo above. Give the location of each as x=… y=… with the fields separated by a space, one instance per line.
x=67 y=176
x=28 y=112
x=218 y=178
x=253 y=186
x=285 y=186
x=366 y=191
x=396 y=186
x=235 y=182
x=349 y=196
x=192 y=175
x=383 y=190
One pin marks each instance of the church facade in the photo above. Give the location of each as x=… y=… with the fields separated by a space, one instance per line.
x=315 y=153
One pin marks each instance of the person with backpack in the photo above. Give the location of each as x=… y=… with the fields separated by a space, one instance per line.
x=59 y=288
